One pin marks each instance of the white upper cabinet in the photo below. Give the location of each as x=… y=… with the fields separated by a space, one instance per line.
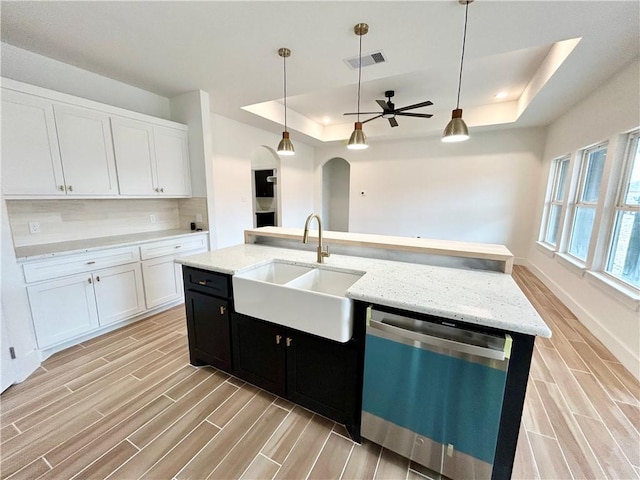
x=151 y=160
x=84 y=137
x=30 y=157
x=135 y=156
x=172 y=160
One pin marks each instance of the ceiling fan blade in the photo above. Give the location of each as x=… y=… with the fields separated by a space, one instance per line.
x=362 y=113
x=393 y=122
x=383 y=105
x=417 y=105
x=420 y=115
x=372 y=118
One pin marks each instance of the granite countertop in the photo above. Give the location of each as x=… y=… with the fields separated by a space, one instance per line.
x=48 y=250
x=490 y=299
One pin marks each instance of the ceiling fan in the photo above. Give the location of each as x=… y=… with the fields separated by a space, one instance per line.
x=389 y=110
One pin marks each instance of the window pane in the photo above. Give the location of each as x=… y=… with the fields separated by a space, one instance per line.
x=624 y=257
x=632 y=194
x=581 y=232
x=554 y=224
x=593 y=175
x=560 y=183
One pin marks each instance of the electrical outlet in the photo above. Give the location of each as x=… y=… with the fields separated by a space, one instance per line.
x=34 y=227
x=152 y=218
x=449 y=450
x=198 y=217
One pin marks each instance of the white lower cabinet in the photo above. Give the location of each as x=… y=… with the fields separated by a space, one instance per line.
x=119 y=293
x=63 y=309
x=162 y=281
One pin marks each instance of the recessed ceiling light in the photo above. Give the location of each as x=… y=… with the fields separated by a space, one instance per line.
x=501 y=95
x=326 y=120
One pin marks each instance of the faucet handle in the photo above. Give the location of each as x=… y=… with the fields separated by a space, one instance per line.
x=325 y=252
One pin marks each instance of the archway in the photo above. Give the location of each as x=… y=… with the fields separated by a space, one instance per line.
x=335 y=194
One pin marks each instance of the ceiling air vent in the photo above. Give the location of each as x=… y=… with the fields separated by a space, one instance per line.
x=367 y=59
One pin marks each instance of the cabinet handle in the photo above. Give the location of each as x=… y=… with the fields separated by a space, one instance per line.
x=202 y=282
x=278 y=338
x=178 y=246
x=91 y=262
x=98 y=278
x=70 y=188
x=156 y=189
x=61 y=188
x=289 y=342
x=162 y=190
x=222 y=310
x=89 y=279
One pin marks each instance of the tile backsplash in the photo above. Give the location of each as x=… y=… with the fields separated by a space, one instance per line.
x=64 y=220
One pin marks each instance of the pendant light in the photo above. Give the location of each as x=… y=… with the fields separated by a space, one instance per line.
x=358 y=140
x=285 y=147
x=456 y=130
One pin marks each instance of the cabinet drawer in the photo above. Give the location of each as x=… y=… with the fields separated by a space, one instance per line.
x=85 y=262
x=172 y=247
x=204 y=281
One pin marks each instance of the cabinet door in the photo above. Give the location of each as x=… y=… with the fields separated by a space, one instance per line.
x=87 y=152
x=208 y=329
x=119 y=293
x=322 y=376
x=135 y=156
x=30 y=157
x=172 y=161
x=259 y=353
x=162 y=281
x=63 y=309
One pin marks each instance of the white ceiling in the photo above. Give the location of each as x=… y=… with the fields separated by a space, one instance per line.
x=229 y=49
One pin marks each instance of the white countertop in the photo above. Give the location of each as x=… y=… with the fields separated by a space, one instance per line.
x=48 y=250
x=476 y=297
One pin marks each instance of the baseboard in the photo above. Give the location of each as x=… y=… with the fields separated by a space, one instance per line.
x=625 y=356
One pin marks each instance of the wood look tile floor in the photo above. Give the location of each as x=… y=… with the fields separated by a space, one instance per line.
x=128 y=405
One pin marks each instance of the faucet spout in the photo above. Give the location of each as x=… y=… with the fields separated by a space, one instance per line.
x=322 y=253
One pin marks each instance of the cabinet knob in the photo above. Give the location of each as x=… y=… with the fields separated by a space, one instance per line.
x=91 y=262
x=61 y=188
x=222 y=310
x=162 y=190
x=278 y=339
x=289 y=342
x=89 y=279
x=98 y=278
x=70 y=188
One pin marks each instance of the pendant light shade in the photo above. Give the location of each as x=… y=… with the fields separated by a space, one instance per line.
x=358 y=140
x=456 y=130
x=285 y=147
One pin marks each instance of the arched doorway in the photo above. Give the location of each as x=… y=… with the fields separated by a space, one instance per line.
x=265 y=187
x=335 y=194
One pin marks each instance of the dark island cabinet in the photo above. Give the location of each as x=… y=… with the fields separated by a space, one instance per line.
x=208 y=315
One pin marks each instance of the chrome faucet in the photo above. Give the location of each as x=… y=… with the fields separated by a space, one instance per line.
x=321 y=253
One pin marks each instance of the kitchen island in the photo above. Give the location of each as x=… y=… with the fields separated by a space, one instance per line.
x=488 y=303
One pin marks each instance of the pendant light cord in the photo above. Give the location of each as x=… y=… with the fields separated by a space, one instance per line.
x=284 y=60
x=359 y=74
x=464 y=41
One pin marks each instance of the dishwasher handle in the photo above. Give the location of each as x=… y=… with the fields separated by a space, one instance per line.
x=460 y=347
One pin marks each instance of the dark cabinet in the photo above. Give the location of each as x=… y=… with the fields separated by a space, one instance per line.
x=264 y=187
x=207 y=308
x=314 y=372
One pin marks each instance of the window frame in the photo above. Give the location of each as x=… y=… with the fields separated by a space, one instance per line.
x=621 y=205
x=579 y=203
x=558 y=166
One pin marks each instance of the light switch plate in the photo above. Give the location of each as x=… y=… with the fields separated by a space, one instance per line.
x=198 y=217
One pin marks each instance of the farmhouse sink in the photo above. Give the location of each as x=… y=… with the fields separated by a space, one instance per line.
x=308 y=299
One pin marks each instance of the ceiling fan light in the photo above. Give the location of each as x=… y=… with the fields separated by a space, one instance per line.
x=285 y=147
x=358 y=140
x=456 y=130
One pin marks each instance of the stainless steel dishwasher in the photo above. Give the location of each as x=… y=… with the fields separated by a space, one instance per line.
x=433 y=392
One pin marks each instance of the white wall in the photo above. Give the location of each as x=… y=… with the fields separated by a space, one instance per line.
x=29 y=67
x=233 y=145
x=478 y=191
x=609 y=111
x=335 y=193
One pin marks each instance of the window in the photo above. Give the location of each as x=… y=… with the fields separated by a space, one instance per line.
x=623 y=260
x=584 y=211
x=551 y=229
